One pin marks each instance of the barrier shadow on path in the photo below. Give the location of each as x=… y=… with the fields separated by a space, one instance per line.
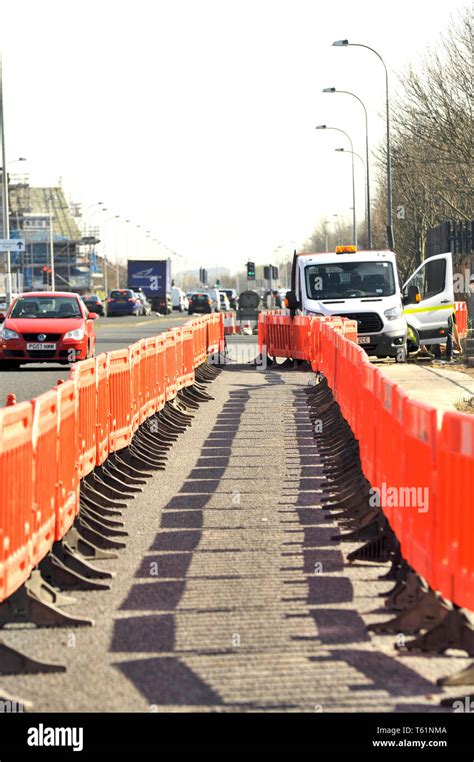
x=339 y=624
x=167 y=680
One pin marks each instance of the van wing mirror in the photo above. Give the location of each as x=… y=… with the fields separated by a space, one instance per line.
x=291 y=300
x=2 y=317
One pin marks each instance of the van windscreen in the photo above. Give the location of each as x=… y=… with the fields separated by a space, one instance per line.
x=349 y=280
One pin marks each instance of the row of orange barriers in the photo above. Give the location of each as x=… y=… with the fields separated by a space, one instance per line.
x=49 y=443
x=423 y=472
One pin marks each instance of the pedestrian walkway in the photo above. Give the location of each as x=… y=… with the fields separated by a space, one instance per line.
x=433 y=385
x=231 y=594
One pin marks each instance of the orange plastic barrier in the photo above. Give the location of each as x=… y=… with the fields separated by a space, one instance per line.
x=199 y=327
x=84 y=374
x=45 y=478
x=215 y=333
x=187 y=332
x=418 y=480
x=137 y=351
x=150 y=370
x=460 y=309
x=102 y=411
x=160 y=372
x=16 y=496
x=180 y=380
x=67 y=494
x=120 y=399
x=454 y=528
x=171 y=365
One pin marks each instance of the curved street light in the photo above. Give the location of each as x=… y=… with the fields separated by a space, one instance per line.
x=344 y=150
x=354 y=225
x=367 y=168
x=345 y=44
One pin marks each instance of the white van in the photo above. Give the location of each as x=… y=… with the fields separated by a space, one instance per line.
x=180 y=301
x=361 y=285
x=428 y=299
x=215 y=298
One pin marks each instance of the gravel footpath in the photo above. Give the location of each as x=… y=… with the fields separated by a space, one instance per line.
x=231 y=594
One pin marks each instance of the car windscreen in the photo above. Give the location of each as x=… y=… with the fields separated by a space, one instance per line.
x=349 y=280
x=46 y=307
x=200 y=297
x=123 y=294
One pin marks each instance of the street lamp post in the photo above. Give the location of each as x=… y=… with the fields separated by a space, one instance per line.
x=367 y=170
x=51 y=242
x=117 y=270
x=106 y=277
x=354 y=225
x=344 y=150
x=5 y=217
x=345 y=44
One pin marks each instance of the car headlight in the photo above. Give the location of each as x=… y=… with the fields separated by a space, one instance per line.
x=7 y=334
x=394 y=313
x=77 y=334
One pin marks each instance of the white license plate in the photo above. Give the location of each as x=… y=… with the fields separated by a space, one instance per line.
x=39 y=346
x=363 y=339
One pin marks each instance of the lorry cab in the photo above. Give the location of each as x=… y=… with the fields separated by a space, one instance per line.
x=364 y=286
x=361 y=285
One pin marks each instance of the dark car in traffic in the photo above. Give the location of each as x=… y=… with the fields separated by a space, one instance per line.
x=123 y=301
x=200 y=302
x=94 y=304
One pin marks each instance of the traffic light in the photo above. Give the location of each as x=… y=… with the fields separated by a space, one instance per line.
x=46 y=272
x=267 y=272
x=250 y=270
x=274 y=272
x=202 y=275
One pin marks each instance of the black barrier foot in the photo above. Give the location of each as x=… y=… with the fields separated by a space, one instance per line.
x=85 y=548
x=423 y=615
x=23 y=607
x=378 y=551
x=98 y=526
x=118 y=470
x=98 y=515
x=78 y=563
x=99 y=539
x=45 y=590
x=57 y=573
x=98 y=484
x=368 y=532
x=145 y=458
x=408 y=592
x=112 y=480
x=128 y=468
x=398 y=570
x=102 y=510
x=465 y=677
x=90 y=492
x=453 y=631
x=13 y=662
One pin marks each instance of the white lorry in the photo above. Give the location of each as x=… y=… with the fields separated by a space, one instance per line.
x=364 y=286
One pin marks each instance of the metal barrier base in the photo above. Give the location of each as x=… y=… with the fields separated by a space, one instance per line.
x=14 y=662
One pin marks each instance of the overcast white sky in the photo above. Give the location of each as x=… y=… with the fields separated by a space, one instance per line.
x=195 y=118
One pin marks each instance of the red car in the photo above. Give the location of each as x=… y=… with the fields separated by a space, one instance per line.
x=46 y=327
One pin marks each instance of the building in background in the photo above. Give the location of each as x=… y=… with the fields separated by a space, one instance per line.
x=31 y=212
